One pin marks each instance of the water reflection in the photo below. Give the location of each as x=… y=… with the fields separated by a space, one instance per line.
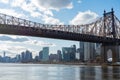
x=57 y=72
x=87 y=73
x=100 y=73
x=111 y=73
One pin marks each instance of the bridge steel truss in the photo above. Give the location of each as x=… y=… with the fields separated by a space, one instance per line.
x=105 y=29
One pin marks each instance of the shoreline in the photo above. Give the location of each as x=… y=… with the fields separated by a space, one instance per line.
x=70 y=63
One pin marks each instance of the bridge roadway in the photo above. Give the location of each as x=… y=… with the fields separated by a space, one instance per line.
x=39 y=32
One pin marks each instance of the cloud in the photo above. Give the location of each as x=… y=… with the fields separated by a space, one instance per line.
x=40 y=43
x=43 y=5
x=37 y=10
x=51 y=20
x=35 y=14
x=79 y=1
x=53 y=4
x=7 y=38
x=17 y=3
x=12 y=50
x=84 y=18
x=11 y=39
x=4 y=1
x=28 y=7
x=13 y=45
x=12 y=12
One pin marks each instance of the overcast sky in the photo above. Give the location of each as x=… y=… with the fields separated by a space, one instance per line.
x=50 y=12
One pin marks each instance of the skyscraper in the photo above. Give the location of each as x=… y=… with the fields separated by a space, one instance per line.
x=119 y=54
x=98 y=49
x=28 y=56
x=86 y=51
x=69 y=53
x=4 y=54
x=73 y=53
x=45 y=52
x=40 y=55
x=89 y=51
x=59 y=55
x=23 y=56
x=0 y=58
x=81 y=51
x=66 y=53
x=53 y=57
x=92 y=51
x=18 y=58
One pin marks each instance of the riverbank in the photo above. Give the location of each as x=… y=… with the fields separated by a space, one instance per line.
x=76 y=63
x=66 y=63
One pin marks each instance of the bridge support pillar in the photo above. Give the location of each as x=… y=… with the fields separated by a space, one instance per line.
x=105 y=52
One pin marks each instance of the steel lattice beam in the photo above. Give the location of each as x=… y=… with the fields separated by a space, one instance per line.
x=100 y=31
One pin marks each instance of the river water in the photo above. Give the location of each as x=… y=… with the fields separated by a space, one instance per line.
x=57 y=72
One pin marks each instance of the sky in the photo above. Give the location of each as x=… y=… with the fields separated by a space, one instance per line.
x=74 y=12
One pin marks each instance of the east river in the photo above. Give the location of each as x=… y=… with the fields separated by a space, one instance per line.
x=57 y=72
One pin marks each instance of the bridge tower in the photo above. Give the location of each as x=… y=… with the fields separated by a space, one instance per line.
x=109 y=31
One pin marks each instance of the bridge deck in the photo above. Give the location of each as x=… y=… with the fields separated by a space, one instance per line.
x=38 y=32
